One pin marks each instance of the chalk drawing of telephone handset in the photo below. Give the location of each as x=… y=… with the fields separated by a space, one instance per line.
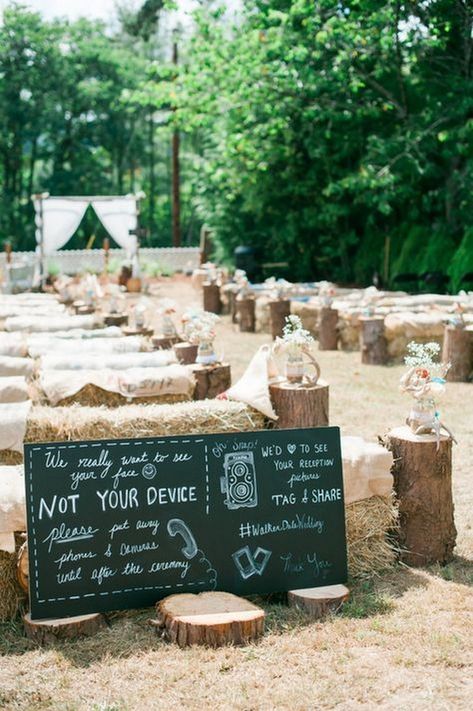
x=177 y=526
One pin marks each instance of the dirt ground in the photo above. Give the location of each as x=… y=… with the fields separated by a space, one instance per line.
x=405 y=639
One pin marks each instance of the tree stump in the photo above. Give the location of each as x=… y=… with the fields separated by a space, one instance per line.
x=49 y=631
x=279 y=310
x=374 y=350
x=115 y=319
x=210 y=618
x=319 y=602
x=211 y=380
x=328 y=331
x=186 y=353
x=22 y=568
x=458 y=350
x=246 y=315
x=299 y=406
x=212 y=302
x=133 y=331
x=423 y=485
x=232 y=302
x=164 y=342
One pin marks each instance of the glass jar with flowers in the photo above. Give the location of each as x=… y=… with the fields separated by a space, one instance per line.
x=295 y=344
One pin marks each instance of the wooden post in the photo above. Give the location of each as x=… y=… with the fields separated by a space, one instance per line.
x=49 y=631
x=458 y=350
x=298 y=406
x=246 y=316
x=212 y=301
x=8 y=252
x=373 y=343
x=423 y=485
x=211 y=380
x=319 y=602
x=186 y=353
x=328 y=332
x=279 y=310
x=106 y=254
x=213 y=619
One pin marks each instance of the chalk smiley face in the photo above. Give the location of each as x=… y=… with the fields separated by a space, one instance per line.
x=149 y=471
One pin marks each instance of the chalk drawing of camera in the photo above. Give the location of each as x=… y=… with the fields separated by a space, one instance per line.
x=239 y=481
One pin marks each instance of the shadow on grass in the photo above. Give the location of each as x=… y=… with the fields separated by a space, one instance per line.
x=459 y=570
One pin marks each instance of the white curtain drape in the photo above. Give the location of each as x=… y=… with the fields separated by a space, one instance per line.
x=60 y=219
x=119 y=217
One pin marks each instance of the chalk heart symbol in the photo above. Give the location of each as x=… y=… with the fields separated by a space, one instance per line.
x=291 y=448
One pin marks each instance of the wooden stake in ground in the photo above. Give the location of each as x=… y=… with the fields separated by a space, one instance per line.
x=211 y=380
x=458 y=350
x=423 y=485
x=210 y=618
x=186 y=353
x=328 y=332
x=319 y=602
x=246 y=316
x=212 y=302
x=300 y=406
x=279 y=310
x=373 y=343
x=49 y=631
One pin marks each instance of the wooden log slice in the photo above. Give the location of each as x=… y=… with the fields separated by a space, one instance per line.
x=319 y=602
x=279 y=310
x=300 y=406
x=115 y=319
x=85 y=310
x=423 y=485
x=210 y=618
x=211 y=297
x=211 y=380
x=49 y=631
x=131 y=331
x=458 y=350
x=164 y=342
x=22 y=569
x=373 y=344
x=186 y=353
x=246 y=314
x=328 y=331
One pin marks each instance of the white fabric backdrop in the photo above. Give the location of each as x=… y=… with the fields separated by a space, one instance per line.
x=61 y=218
x=118 y=217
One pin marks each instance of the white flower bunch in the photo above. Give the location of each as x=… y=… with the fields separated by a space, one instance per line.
x=422 y=355
x=294 y=333
x=201 y=327
x=425 y=378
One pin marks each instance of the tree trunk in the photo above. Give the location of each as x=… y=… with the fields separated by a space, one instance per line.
x=279 y=310
x=210 y=618
x=373 y=344
x=211 y=380
x=423 y=485
x=49 y=631
x=246 y=314
x=300 y=406
x=186 y=353
x=212 y=302
x=328 y=332
x=319 y=602
x=458 y=350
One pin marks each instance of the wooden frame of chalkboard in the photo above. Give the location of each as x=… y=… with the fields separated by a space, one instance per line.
x=119 y=524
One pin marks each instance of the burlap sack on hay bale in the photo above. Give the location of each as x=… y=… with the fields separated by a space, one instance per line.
x=91 y=346
x=13 y=345
x=11 y=366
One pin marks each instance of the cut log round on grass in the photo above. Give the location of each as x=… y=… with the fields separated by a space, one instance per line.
x=279 y=310
x=319 y=602
x=164 y=342
x=458 y=350
x=328 y=332
x=210 y=618
x=423 y=485
x=186 y=353
x=373 y=344
x=115 y=319
x=211 y=380
x=49 y=631
x=22 y=570
x=300 y=406
x=211 y=293
x=246 y=315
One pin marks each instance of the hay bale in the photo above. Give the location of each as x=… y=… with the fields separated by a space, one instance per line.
x=93 y=396
x=308 y=312
x=11 y=595
x=8 y=456
x=371 y=524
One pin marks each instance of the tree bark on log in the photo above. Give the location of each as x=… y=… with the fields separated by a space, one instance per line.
x=212 y=301
x=49 y=631
x=458 y=350
x=300 y=406
x=164 y=342
x=279 y=310
x=210 y=618
x=374 y=350
x=186 y=353
x=211 y=380
x=115 y=319
x=423 y=485
x=319 y=602
x=328 y=331
x=246 y=316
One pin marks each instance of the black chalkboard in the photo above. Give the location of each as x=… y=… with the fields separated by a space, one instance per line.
x=119 y=524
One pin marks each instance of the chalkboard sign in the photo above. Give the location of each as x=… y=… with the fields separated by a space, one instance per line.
x=119 y=524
